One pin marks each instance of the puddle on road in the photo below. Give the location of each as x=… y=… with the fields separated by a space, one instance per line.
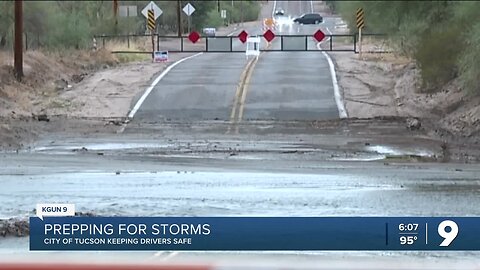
x=203 y=149
x=381 y=152
x=388 y=150
x=104 y=146
x=361 y=158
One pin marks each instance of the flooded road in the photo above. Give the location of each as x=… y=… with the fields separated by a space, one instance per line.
x=128 y=185
x=418 y=192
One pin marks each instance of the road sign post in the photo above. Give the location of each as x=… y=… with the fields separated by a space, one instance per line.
x=151 y=27
x=152 y=12
x=360 y=25
x=223 y=15
x=189 y=24
x=189 y=9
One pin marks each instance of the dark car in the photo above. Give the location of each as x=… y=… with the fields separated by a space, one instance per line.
x=310 y=18
x=280 y=12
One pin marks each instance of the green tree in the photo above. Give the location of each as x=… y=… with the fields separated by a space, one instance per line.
x=69 y=29
x=6 y=23
x=439 y=35
x=200 y=16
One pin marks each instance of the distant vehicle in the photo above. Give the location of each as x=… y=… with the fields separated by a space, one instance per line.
x=209 y=31
x=310 y=18
x=280 y=12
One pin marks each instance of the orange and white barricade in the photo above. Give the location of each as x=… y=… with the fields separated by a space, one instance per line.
x=269 y=24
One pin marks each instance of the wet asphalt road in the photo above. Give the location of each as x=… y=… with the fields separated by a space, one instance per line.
x=283 y=86
x=292 y=85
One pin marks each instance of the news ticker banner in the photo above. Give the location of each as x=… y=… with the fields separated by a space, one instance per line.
x=254 y=233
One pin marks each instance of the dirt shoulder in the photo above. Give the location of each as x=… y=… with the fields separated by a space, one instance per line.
x=385 y=84
x=77 y=91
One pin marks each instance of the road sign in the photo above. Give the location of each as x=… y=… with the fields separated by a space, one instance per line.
x=360 y=24
x=151 y=20
x=319 y=35
x=223 y=14
x=194 y=37
x=156 y=10
x=188 y=9
x=243 y=36
x=360 y=18
x=127 y=11
x=160 y=56
x=269 y=35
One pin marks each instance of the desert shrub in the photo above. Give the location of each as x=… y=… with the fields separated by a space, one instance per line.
x=213 y=19
x=469 y=61
x=436 y=55
x=442 y=36
x=69 y=31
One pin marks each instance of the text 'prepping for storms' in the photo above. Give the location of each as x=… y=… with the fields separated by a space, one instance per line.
x=126 y=229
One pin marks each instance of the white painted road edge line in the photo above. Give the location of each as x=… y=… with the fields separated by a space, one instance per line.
x=231 y=33
x=342 y=112
x=154 y=83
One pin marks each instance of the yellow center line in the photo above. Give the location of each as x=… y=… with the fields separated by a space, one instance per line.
x=245 y=89
x=238 y=93
x=239 y=90
x=241 y=93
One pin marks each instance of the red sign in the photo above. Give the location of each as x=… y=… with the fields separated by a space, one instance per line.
x=319 y=35
x=269 y=35
x=194 y=37
x=243 y=36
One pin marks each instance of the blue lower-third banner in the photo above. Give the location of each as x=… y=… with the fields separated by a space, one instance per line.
x=255 y=233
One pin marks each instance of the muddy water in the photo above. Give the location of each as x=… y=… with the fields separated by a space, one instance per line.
x=191 y=193
x=302 y=176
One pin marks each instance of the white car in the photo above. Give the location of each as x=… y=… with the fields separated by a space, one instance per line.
x=209 y=31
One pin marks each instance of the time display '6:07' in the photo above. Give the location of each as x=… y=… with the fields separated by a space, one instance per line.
x=408 y=227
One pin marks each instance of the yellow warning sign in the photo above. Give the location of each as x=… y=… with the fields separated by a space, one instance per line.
x=360 y=18
x=151 y=20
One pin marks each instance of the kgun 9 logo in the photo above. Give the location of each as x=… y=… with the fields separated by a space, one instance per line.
x=450 y=235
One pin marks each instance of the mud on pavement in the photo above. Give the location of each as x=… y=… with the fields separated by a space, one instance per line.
x=329 y=139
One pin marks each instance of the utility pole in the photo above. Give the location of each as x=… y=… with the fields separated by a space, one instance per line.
x=218 y=6
x=179 y=19
x=115 y=14
x=18 y=44
x=241 y=11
